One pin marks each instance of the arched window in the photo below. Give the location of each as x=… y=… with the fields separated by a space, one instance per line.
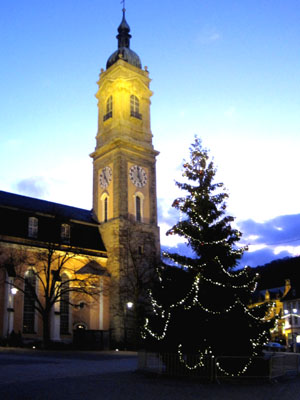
x=64 y=304
x=135 y=107
x=109 y=108
x=138 y=206
x=33 y=224
x=65 y=233
x=105 y=204
x=29 y=302
x=105 y=209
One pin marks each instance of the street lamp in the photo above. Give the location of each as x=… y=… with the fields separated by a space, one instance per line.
x=13 y=290
x=10 y=309
x=128 y=306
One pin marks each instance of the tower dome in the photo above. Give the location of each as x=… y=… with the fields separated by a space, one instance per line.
x=124 y=52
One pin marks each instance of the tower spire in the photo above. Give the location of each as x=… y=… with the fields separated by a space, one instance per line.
x=124 y=52
x=124 y=29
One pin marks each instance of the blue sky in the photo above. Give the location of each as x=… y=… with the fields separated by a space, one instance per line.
x=228 y=71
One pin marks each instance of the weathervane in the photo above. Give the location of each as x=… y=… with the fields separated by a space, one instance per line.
x=123 y=2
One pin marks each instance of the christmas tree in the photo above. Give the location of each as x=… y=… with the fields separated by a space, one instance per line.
x=200 y=306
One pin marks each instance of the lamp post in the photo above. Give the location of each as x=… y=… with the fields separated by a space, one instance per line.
x=127 y=306
x=10 y=308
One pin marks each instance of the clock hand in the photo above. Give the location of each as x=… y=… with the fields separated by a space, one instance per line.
x=139 y=175
x=105 y=177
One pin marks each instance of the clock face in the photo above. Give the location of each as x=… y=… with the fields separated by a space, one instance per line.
x=138 y=176
x=105 y=177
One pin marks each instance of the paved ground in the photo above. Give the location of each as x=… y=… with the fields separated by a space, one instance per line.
x=32 y=375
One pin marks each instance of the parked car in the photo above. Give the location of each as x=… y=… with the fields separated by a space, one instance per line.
x=274 y=346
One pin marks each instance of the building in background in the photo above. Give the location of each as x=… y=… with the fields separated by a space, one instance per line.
x=291 y=315
x=274 y=297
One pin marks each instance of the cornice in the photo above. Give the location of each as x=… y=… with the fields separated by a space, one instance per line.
x=122 y=144
x=56 y=246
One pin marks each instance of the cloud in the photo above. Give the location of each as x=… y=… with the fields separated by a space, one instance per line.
x=181 y=248
x=208 y=35
x=168 y=217
x=270 y=240
x=261 y=257
x=166 y=214
x=282 y=230
x=34 y=186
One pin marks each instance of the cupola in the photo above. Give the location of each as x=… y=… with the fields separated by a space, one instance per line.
x=124 y=52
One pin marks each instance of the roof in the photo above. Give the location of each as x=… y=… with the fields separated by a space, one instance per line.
x=15 y=211
x=46 y=207
x=275 y=293
x=292 y=294
x=124 y=52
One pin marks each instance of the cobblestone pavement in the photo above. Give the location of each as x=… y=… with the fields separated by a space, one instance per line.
x=32 y=375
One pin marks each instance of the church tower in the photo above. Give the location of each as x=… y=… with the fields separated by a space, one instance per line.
x=124 y=181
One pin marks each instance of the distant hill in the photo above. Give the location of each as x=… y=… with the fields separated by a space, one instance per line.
x=276 y=272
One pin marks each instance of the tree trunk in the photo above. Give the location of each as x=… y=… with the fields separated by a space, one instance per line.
x=46 y=330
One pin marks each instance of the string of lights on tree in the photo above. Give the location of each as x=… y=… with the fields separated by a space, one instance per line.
x=211 y=273
x=167 y=316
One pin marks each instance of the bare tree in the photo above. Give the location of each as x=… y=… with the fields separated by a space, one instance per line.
x=62 y=276
x=137 y=275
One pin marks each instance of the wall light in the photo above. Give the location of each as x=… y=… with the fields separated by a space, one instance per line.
x=13 y=290
x=129 y=304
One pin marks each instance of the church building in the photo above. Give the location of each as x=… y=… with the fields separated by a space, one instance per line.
x=74 y=270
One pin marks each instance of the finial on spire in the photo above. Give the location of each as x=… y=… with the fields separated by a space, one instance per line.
x=124 y=29
x=124 y=52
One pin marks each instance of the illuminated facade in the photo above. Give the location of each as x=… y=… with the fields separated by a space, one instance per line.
x=124 y=183
x=291 y=316
x=274 y=297
x=36 y=235
x=124 y=214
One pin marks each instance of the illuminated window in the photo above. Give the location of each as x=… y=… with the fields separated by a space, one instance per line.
x=64 y=305
x=65 y=233
x=109 y=108
x=33 y=224
x=135 y=107
x=29 y=302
